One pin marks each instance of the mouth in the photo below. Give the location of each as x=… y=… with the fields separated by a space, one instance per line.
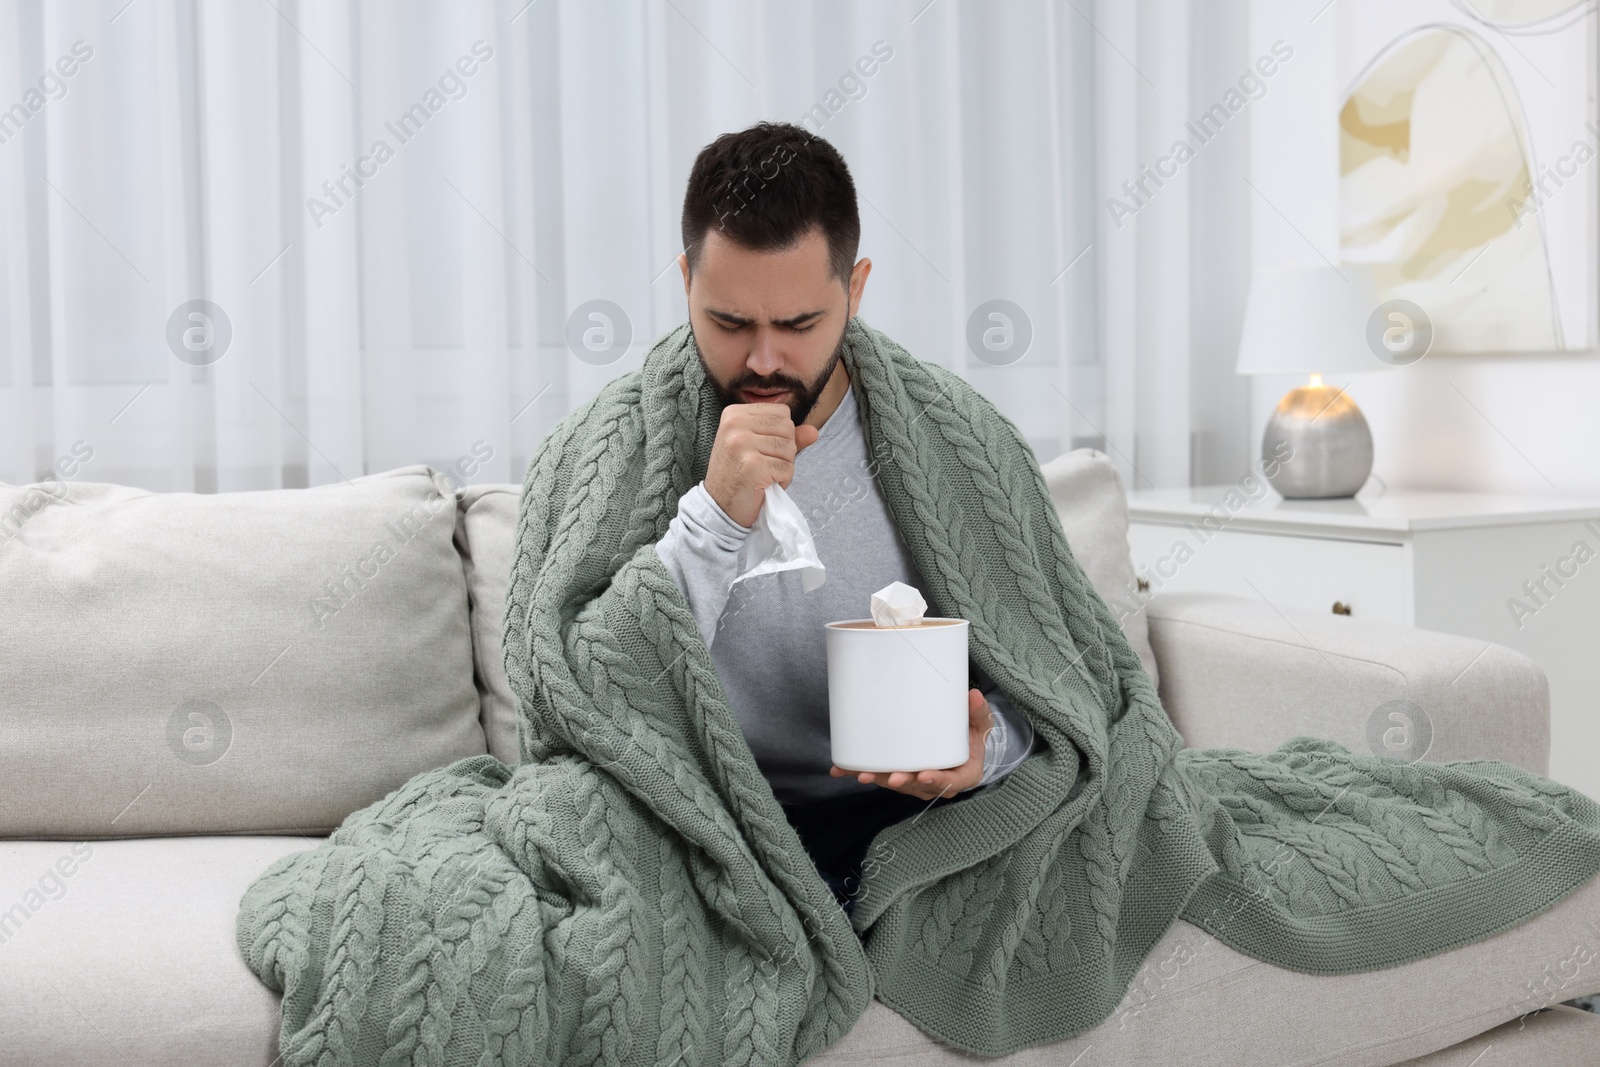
x=763 y=396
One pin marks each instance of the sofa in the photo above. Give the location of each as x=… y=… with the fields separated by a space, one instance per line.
x=192 y=685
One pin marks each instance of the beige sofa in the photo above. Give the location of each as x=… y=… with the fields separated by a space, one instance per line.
x=192 y=686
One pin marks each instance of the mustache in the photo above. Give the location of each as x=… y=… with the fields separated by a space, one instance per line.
x=769 y=382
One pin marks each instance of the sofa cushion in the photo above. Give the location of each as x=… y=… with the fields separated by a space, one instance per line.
x=251 y=662
x=1093 y=509
x=126 y=952
x=1240 y=673
x=486 y=535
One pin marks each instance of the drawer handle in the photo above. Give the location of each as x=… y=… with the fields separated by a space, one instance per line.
x=1341 y=608
x=1144 y=585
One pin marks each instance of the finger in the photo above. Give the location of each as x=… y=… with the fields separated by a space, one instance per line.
x=754 y=410
x=806 y=435
x=764 y=418
x=787 y=477
x=747 y=450
x=774 y=469
x=759 y=470
x=754 y=474
x=773 y=444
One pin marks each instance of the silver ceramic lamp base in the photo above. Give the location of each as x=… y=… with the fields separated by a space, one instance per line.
x=1319 y=443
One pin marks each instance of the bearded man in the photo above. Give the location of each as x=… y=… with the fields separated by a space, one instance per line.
x=773 y=285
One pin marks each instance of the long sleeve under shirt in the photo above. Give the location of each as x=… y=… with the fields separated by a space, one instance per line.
x=766 y=634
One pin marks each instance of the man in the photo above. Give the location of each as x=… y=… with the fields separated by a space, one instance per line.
x=770 y=232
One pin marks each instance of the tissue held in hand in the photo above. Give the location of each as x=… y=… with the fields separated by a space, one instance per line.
x=898 y=604
x=780 y=540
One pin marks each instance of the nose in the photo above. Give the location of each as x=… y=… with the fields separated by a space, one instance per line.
x=764 y=358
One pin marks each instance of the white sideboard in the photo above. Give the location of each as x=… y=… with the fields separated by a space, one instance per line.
x=1519 y=571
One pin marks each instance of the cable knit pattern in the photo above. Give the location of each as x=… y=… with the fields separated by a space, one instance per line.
x=631 y=893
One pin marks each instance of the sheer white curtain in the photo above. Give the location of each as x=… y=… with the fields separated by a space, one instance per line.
x=397 y=207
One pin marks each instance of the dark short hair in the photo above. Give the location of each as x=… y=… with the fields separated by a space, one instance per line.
x=765 y=187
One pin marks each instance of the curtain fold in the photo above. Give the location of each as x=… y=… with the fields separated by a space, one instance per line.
x=421 y=228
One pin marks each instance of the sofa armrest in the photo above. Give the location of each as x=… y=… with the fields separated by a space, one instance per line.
x=1239 y=673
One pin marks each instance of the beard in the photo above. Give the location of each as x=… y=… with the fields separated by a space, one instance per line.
x=804 y=394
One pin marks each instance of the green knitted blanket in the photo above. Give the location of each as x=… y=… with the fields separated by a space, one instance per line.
x=631 y=893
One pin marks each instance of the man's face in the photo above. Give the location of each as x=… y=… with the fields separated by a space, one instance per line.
x=770 y=325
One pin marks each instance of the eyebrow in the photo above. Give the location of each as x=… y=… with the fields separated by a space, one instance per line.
x=793 y=320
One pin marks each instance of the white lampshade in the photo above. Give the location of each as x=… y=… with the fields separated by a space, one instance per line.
x=1308 y=320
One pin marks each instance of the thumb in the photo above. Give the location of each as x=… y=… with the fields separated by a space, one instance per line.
x=977 y=707
x=804 y=435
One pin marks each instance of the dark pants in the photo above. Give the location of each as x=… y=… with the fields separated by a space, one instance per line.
x=838 y=831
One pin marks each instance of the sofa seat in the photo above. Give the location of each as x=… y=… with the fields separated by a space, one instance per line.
x=130 y=959
x=1199 y=1002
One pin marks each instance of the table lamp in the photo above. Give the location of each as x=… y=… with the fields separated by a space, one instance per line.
x=1312 y=320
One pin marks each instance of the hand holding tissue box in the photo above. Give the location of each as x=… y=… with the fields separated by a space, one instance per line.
x=897 y=687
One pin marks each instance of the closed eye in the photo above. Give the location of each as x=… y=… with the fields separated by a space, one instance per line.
x=735 y=329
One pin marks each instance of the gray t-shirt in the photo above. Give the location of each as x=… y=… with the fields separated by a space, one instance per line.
x=766 y=633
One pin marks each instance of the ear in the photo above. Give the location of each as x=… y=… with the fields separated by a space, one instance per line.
x=683 y=265
x=858 y=283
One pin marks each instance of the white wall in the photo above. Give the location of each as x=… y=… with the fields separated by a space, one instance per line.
x=1510 y=423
